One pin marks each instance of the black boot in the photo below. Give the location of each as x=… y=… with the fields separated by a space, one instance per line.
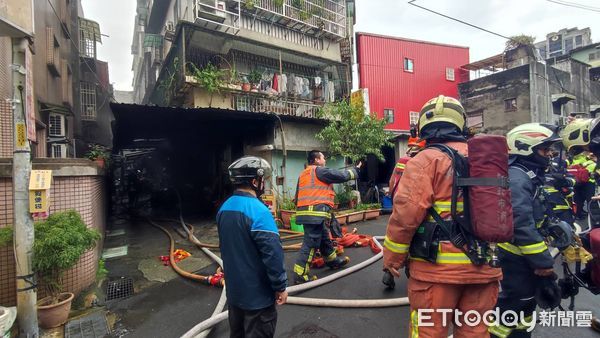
x=338 y=262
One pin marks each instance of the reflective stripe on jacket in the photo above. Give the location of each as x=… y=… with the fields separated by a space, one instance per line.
x=427 y=182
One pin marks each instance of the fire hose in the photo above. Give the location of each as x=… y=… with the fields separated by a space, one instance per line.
x=214 y=320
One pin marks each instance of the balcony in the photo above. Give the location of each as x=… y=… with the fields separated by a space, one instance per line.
x=316 y=17
x=260 y=103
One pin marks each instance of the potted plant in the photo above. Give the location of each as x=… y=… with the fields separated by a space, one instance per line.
x=99 y=154
x=254 y=78
x=287 y=208
x=209 y=77
x=372 y=211
x=246 y=84
x=59 y=243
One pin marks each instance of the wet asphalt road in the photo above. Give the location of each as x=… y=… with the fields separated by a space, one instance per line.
x=170 y=309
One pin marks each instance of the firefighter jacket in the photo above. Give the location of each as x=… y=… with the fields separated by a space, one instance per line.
x=397 y=174
x=251 y=251
x=589 y=165
x=315 y=194
x=426 y=183
x=528 y=246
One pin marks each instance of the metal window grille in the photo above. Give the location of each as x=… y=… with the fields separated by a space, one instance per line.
x=88 y=101
x=59 y=151
x=57 y=124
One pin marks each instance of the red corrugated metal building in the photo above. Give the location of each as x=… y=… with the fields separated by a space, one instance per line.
x=402 y=74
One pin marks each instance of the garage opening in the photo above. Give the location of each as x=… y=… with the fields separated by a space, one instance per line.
x=164 y=158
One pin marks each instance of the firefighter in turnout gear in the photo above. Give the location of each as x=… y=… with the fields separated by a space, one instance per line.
x=526 y=262
x=580 y=137
x=558 y=190
x=414 y=146
x=314 y=202
x=450 y=280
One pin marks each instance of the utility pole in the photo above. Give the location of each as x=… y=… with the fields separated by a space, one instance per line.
x=22 y=220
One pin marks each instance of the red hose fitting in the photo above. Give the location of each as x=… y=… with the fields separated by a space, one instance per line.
x=217 y=279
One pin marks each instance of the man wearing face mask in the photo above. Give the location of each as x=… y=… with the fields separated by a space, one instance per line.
x=251 y=251
x=526 y=262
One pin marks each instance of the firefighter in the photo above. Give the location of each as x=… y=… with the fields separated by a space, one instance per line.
x=526 y=262
x=414 y=146
x=314 y=202
x=451 y=281
x=584 y=191
x=559 y=185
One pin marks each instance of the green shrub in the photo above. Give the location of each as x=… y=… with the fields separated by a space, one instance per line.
x=59 y=242
x=6 y=236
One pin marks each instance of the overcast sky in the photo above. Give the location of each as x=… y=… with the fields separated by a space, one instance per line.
x=388 y=17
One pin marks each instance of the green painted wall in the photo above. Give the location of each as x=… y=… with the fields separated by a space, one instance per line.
x=295 y=165
x=584 y=56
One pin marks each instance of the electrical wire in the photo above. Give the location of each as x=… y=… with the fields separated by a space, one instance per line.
x=575 y=5
x=64 y=27
x=412 y=3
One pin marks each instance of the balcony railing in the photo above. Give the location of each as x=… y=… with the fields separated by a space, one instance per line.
x=258 y=103
x=322 y=15
x=218 y=13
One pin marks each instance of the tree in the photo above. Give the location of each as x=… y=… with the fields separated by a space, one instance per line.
x=353 y=134
x=519 y=40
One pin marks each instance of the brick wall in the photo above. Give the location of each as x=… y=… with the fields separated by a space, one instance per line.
x=83 y=193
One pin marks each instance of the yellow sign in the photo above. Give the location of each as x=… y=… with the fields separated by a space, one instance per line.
x=269 y=200
x=21 y=135
x=39 y=190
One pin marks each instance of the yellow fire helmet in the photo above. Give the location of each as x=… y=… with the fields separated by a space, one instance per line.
x=524 y=138
x=579 y=132
x=443 y=109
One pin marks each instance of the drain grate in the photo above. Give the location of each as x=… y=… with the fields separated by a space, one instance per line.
x=120 y=288
x=91 y=326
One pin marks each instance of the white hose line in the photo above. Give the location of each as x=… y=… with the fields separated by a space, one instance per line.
x=348 y=303
x=218 y=309
x=212 y=321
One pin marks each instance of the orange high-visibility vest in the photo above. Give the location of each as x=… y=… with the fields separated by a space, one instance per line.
x=312 y=191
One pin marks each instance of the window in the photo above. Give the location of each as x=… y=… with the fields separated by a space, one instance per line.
x=408 y=65
x=89 y=34
x=56 y=124
x=449 y=74
x=475 y=121
x=59 y=151
x=555 y=45
x=67 y=83
x=578 y=41
x=388 y=115
x=413 y=117
x=568 y=45
x=52 y=52
x=88 y=101
x=510 y=104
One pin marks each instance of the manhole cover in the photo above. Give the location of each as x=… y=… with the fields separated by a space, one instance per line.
x=120 y=288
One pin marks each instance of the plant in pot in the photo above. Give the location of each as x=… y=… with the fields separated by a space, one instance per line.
x=287 y=208
x=254 y=78
x=246 y=84
x=59 y=243
x=209 y=77
x=99 y=154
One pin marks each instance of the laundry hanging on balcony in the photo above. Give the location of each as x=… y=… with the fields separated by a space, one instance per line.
x=153 y=40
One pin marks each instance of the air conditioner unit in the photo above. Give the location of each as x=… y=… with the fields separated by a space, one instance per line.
x=58 y=151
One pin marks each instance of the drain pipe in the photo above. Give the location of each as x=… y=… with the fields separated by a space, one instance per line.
x=284 y=150
x=212 y=321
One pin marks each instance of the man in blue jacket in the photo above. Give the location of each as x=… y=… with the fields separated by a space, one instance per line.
x=252 y=252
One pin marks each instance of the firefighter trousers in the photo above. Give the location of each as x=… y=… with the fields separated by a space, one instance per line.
x=426 y=297
x=316 y=236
